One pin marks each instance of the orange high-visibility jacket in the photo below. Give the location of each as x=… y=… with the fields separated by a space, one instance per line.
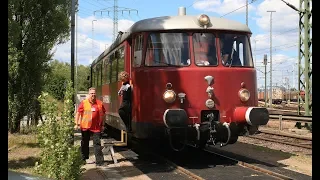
x=87 y=114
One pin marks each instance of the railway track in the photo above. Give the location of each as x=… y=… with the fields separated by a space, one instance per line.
x=209 y=164
x=282 y=138
x=253 y=167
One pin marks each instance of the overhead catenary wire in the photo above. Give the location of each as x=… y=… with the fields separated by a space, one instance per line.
x=277 y=34
x=238 y=8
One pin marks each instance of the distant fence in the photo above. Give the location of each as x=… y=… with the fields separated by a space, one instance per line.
x=291 y=118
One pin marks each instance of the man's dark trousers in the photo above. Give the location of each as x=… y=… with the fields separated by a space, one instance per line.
x=96 y=145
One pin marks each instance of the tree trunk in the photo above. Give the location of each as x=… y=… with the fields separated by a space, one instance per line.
x=28 y=121
x=16 y=127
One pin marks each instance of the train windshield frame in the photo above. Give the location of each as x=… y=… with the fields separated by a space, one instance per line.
x=167 y=49
x=235 y=50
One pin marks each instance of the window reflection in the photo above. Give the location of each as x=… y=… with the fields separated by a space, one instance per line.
x=204 y=49
x=167 y=49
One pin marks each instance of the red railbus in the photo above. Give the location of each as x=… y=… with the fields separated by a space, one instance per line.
x=193 y=80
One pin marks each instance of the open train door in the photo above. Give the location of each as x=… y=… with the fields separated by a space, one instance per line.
x=135 y=49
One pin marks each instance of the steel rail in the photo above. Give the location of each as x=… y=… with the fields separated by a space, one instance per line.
x=253 y=167
x=286 y=135
x=281 y=142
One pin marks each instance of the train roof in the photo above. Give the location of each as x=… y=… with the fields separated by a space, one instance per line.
x=185 y=22
x=182 y=22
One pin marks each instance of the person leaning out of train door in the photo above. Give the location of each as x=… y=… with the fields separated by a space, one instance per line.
x=90 y=119
x=228 y=53
x=125 y=92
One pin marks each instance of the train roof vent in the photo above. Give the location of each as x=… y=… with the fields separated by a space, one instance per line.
x=182 y=11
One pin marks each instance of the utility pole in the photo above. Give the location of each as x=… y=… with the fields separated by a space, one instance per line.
x=73 y=10
x=292 y=84
x=270 y=103
x=247 y=12
x=115 y=20
x=76 y=54
x=255 y=55
x=92 y=37
x=115 y=9
x=265 y=62
x=304 y=53
x=288 y=83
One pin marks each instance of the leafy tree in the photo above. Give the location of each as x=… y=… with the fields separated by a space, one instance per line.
x=83 y=72
x=60 y=72
x=58 y=160
x=34 y=27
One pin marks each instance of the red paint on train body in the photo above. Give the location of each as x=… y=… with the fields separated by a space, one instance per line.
x=179 y=86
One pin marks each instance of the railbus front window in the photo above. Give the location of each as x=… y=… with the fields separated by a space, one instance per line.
x=167 y=49
x=204 y=49
x=235 y=50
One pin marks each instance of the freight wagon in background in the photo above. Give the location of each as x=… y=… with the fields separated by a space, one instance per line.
x=280 y=94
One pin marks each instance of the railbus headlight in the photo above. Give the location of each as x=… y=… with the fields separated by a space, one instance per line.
x=169 y=96
x=244 y=95
x=204 y=20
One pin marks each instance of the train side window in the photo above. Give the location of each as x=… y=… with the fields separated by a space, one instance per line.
x=99 y=74
x=94 y=76
x=121 y=60
x=138 y=46
x=114 y=65
x=108 y=71
x=101 y=70
x=105 y=71
x=99 y=77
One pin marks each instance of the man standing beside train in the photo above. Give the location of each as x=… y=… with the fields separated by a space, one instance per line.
x=90 y=119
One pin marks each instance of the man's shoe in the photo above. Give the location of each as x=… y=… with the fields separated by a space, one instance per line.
x=88 y=161
x=101 y=164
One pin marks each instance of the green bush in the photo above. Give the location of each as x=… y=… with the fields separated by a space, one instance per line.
x=60 y=158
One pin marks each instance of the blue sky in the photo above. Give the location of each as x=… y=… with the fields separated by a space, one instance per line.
x=94 y=36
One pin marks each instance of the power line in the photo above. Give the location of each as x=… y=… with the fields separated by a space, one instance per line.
x=279 y=33
x=115 y=9
x=193 y=3
x=276 y=46
x=93 y=4
x=280 y=49
x=239 y=8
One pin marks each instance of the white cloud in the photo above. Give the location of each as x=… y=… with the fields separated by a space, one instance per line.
x=102 y=26
x=284 y=18
x=103 y=29
x=222 y=7
x=284 y=42
x=281 y=42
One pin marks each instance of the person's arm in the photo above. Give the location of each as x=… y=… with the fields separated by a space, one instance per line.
x=225 y=58
x=78 y=117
